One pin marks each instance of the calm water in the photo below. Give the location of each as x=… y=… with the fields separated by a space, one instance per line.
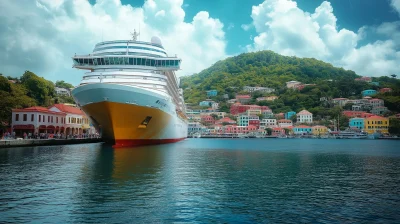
x=204 y=180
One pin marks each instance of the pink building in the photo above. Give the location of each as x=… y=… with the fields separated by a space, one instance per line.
x=238 y=108
x=385 y=90
x=364 y=79
x=225 y=120
x=240 y=129
x=278 y=131
x=207 y=119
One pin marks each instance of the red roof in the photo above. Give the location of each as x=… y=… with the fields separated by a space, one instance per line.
x=243 y=96
x=68 y=109
x=284 y=120
x=375 y=117
x=304 y=112
x=37 y=109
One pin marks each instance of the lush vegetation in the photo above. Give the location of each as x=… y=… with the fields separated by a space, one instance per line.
x=26 y=91
x=268 y=69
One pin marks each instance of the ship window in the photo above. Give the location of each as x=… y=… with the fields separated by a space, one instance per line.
x=167 y=63
x=80 y=60
x=121 y=61
x=102 y=61
x=126 y=61
x=95 y=61
x=152 y=62
x=163 y=63
x=147 y=62
x=76 y=61
x=131 y=61
x=112 y=61
x=142 y=61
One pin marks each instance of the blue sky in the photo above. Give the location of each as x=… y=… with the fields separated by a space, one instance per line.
x=361 y=35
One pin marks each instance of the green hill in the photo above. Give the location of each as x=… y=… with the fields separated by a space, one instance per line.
x=269 y=69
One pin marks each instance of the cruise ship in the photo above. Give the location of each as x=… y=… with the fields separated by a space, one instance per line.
x=131 y=93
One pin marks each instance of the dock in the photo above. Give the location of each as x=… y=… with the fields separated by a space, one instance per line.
x=46 y=142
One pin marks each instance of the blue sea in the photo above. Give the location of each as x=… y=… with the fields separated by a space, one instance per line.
x=204 y=181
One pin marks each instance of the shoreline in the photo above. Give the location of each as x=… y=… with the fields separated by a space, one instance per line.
x=46 y=142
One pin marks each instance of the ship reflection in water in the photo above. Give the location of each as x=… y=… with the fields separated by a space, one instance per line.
x=203 y=180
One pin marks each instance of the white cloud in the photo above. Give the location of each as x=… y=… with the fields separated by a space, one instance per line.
x=396 y=5
x=246 y=27
x=288 y=30
x=45 y=35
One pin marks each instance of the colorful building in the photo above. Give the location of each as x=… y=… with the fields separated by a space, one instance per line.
x=304 y=116
x=239 y=108
x=207 y=119
x=319 y=130
x=340 y=101
x=368 y=92
x=292 y=84
x=240 y=129
x=246 y=120
x=385 y=90
x=302 y=129
x=357 y=122
x=289 y=114
x=376 y=124
x=243 y=98
x=284 y=123
x=225 y=120
x=268 y=123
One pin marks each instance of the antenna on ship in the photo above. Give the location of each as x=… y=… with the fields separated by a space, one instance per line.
x=135 y=35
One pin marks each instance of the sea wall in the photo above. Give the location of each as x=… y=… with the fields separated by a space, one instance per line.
x=40 y=142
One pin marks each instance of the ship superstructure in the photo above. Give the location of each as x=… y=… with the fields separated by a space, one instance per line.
x=131 y=92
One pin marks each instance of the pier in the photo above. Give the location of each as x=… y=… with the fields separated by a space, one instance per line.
x=45 y=142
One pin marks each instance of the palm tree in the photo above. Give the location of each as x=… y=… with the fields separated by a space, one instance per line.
x=393 y=76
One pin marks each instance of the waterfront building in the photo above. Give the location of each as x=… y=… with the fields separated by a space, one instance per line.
x=276 y=131
x=62 y=91
x=292 y=84
x=357 y=122
x=36 y=120
x=340 y=101
x=380 y=110
x=194 y=117
x=252 y=89
x=207 y=119
x=368 y=92
x=284 y=123
x=289 y=114
x=246 y=120
x=57 y=119
x=212 y=93
x=243 y=99
x=302 y=129
x=385 y=90
x=319 y=130
x=304 y=116
x=376 y=124
x=195 y=127
x=233 y=129
x=76 y=121
x=268 y=123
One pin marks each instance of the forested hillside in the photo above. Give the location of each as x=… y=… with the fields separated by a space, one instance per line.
x=26 y=91
x=268 y=69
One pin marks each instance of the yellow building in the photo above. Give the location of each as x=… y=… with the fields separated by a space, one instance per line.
x=376 y=124
x=319 y=130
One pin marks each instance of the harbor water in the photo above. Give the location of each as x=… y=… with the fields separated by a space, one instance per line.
x=204 y=181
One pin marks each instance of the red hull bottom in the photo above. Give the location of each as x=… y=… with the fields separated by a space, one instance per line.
x=119 y=143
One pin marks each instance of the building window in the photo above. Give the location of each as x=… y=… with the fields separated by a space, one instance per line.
x=57 y=120
x=16 y=117
x=40 y=118
x=48 y=119
x=52 y=119
x=44 y=118
x=32 y=116
x=25 y=117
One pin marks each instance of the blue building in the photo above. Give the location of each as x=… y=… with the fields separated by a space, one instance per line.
x=368 y=92
x=212 y=93
x=206 y=103
x=289 y=114
x=302 y=129
x=357 y=122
